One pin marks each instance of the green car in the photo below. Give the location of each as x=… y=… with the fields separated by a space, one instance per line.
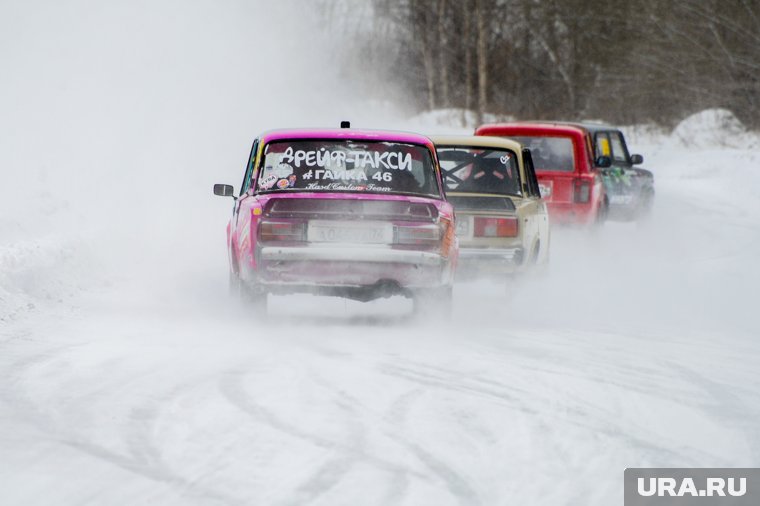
x=630 y=190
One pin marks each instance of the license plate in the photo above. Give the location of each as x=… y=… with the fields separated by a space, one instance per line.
x=546 y=190
x=621 y=199
x=362 y=232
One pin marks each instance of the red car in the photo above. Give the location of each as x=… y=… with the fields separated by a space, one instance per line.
x=569 y=177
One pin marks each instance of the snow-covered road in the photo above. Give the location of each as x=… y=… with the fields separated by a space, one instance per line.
x=638 y=348
x=117 y=408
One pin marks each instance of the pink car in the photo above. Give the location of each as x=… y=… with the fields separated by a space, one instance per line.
x=353 y=213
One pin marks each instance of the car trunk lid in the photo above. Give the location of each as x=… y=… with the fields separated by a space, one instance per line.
x=555 y=187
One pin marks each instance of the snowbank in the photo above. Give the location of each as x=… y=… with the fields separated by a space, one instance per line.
x=714 y=128
x=40 y=273
x=709 y=157
x=45 y=257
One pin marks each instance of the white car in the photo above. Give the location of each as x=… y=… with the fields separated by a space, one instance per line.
x=502 y=221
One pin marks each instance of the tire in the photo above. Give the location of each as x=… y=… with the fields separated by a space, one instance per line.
x=645 y=207
x=234 y=285
x=534 y=254
x=511 y=280
x=435 y=304
x=601 y=214
x=253 y=298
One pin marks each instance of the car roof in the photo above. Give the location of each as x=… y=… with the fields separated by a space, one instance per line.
x=538 y=126
x=346 y=134
x=592 y=126
x=476 y=141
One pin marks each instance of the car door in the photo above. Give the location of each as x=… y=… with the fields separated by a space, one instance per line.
x=538 y=221
x=631 y=183
x=615 y=177
x=619 y=150
x=240 y=221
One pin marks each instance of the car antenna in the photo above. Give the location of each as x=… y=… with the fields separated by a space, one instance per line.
x=345 y=124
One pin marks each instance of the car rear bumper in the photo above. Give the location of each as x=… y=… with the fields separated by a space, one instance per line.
x=571 y=213
x=623 y=212
x=484 y=261
x=627 y=207
x=350 y=254
x=302 y=268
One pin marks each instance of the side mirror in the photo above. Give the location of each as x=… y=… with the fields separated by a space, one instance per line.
x=603 y=162
x=636 y=159
x=224 y=190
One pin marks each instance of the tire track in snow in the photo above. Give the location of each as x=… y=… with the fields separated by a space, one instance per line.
x=726 y=406
x=143 y=420
x=335 y=470
x=427 y=379
x=458 y=486
x=626 y=373
x=330 y=474
x=158 y=474
x=543 y=420
x=144 y=459
x=15 y=373
x=399 y=481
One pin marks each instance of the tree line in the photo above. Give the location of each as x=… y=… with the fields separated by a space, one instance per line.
x=621 y=61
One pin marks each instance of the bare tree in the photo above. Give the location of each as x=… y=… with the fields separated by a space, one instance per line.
x=482 y=57
x=568 y=59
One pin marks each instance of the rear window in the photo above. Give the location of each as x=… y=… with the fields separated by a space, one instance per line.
x=550 y=153
x=479 y=170
x=347 y=166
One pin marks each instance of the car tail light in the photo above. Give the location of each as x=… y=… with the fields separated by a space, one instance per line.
x=449 y=236
x=495 y=227
x=582 y=191
x=293 y=231
x=421 y=234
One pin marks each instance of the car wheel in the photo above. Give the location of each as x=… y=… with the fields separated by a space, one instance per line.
x=602 y=212
x=511 y=281
x=535 y=253
x=234 y=285
x=646 y=204
x=434 y=303
x=253 y=297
